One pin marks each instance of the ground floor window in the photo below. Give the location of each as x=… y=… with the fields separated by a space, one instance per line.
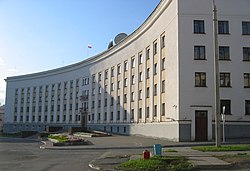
x=247 y=107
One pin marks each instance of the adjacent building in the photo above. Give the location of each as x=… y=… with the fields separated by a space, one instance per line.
x=1 y=118
x=158 y=81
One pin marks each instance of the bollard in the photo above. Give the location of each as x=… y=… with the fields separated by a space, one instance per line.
x=146 y=155
x=157 y=149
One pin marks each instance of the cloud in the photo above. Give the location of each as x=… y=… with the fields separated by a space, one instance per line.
x=13 y=70
x=1 y=61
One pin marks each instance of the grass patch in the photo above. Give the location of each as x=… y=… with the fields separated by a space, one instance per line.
x=59 y=138
x=170 y=151
x=177 y=163
x=239 y=161
x=222 y=148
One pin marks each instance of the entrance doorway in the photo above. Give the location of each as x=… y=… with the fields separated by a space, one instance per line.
x=201 y=125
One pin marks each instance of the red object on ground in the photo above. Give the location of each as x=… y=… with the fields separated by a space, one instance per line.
x=146 y=154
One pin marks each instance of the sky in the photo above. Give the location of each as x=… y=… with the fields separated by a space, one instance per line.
x=40 y=35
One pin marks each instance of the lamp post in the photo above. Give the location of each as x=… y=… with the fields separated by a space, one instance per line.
x=216 y=77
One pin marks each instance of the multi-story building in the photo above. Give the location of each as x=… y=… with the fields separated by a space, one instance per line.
x=158 y=81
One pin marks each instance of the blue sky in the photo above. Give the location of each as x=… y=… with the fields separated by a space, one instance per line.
x=39 y=35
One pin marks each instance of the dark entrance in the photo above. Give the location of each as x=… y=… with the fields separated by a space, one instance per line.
x=201 y=125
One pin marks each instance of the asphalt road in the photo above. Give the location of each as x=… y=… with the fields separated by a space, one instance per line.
x=22 y=155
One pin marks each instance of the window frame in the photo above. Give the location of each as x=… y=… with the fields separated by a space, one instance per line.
x=227 y=104
x=246 y=77
x=223 y=27
x=199 y=52
x=200 y=82
x=199 y=26
x=223 y=52
x=246 y=53
x=224 y=77
x=245 y=27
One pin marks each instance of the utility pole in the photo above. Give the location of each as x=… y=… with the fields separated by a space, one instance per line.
x=217 y=78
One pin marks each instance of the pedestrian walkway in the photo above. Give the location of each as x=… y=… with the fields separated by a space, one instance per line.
x=123 y=148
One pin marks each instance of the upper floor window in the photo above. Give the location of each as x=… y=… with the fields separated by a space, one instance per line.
x=246 y=53
x=119 y=69
x=162 y=41
x=125 y=82
x=133 y=79
x=224 y=53
x=133 y=62
x=225 y=80
x=140 y=58
x=155 y=48
x=226 y=104
x=199 y=52
x=247 y=107
x=112 y=72
x=247 y=80
x=223 y=27
x=147 y=53
x=99 y=76
x=199 y=26
x=163 y=63
x=106 y=74
x=200 y=79
x=125 y=65
x=93 y=78
x=245 y=28
x=140 y=76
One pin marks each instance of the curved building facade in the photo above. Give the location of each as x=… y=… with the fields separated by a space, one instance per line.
x=158 y=81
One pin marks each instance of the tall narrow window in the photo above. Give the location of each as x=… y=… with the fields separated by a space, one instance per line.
x=246 y=80
x=163 y=63
x=155 y=48
x=247 y=107
x=155 y=110
x=133 y=79
x=162 y=41
x=140 y=58
x=148 y=92
x=106 y=74
x=133 y=62
x=225 y=80
x=223 y=27
x=132 y=96
x=119 y=69
x=163 y=109
x=227 y=105
x=112 y=72
x=246 y=53
x=199 y=52
x=147 y=112
x=147 y=53
x=155 y=69
x=163 y=86
x=140 y=94
x=200 y=79
x=140 y=76
x=246 y=28
x=224 y=53
x=155 y=90
x=125 y=65
x=148 y=72
x=199 y=27
x=125 y=82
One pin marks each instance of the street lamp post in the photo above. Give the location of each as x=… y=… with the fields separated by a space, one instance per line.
x=216 y=76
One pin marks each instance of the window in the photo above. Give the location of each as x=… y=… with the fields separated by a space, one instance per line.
x=147 y=112
x=105 y=116
x=227 y=105
x=118 y=115
x=112 y=86
x=99 y=103
x=125 y=65
x=140 y=58
x=225 y=79
x=199 y=52
x=119 y=69
x=132 y=96
x=93 y=91
x=99 y=76
x=148 y=72
x=133 y=79
x=246 y=53
x=140 y=113
x=163 y=86
x=162 y=41
x=155 y=110
x=125 y=82
x=247 y=107
x=163 y=63
x=155 y=69
x=100 y=90
x=148 y=92
x=105 y=102
x=155 y=90
x=112 y=101
x=246 y=80
x=106 y=74
x=200 y=79
x=125 y=115
x=223 y=27
x=163 y=109
x=147 y=53
x=133 y=62
x=118 y=99
x=140 y=76
x=112 y=72
x=245 y=28
x=199 y=26
x=155 y=48
x=106 y=88
x=132 y=114
x=224 y=53
x=119 y=84
x=93 y=78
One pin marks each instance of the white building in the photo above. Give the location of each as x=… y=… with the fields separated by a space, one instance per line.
x=158 y=81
